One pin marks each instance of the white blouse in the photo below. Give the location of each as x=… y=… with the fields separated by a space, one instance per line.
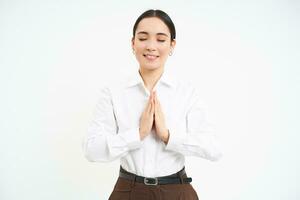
x=114 y=130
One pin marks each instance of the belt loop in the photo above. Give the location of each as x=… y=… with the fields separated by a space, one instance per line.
x=133 y=181
x=181 y=179
x=180 y=175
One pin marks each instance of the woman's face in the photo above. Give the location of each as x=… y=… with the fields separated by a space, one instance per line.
x=152 y=43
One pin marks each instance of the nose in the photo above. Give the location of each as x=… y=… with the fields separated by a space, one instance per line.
x=151 y=45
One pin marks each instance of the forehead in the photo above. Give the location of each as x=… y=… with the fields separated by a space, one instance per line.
x=152 y=25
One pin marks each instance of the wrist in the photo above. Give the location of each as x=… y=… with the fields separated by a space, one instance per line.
x=142 y=134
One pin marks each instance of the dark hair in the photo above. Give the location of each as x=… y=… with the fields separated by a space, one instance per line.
x=159 y=14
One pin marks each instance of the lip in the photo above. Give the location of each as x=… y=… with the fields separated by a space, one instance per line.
x=150 y=57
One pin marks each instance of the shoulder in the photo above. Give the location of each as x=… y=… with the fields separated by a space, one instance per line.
x=190 y=90
x=113 y=87
x=186 y=86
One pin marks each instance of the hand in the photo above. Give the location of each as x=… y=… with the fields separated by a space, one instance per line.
x=147 y=118
x=159 y=121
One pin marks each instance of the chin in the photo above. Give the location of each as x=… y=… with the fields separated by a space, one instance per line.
x=150 y=67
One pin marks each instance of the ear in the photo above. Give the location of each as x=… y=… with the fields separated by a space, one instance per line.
x=173 y=44
x=132 y=42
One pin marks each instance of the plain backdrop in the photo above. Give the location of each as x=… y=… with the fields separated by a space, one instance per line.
x=56 y=55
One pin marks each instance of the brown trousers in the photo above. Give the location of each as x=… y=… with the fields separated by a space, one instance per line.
x=129 y=190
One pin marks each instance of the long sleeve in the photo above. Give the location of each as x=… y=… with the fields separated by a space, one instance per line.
x=103 y=142
x=199 y=139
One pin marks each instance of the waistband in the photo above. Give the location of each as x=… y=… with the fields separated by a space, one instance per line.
x=179 y=177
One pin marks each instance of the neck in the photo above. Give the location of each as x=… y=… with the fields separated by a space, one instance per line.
x=150 y=77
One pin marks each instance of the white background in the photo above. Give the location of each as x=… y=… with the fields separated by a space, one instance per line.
x=56 y=55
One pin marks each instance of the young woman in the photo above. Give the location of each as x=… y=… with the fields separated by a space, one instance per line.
x=151 y=121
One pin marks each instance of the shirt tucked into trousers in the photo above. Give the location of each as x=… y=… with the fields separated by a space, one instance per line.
x=130 y=190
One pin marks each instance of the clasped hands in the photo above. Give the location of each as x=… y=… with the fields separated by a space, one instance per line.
x=153 y=116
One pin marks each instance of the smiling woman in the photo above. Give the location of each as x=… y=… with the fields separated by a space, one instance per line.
x=153 y=39
x=151 y=122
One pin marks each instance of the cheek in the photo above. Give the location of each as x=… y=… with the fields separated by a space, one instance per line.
x=139 y=46
x=165 y=51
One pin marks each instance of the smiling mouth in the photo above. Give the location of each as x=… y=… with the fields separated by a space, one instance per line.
x=150 y=57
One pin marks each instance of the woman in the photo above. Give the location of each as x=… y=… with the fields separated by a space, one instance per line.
x=151 y=121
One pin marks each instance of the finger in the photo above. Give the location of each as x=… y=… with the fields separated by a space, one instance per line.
x=149 y=104
x=154 y=96
x=156 y=101
x=155 y=105
x=151 y=110
x=158 y=106
x=152 y=107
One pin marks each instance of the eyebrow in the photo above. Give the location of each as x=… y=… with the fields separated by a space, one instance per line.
x=144 y=32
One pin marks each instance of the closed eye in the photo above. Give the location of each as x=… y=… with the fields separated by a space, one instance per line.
x=143 y=39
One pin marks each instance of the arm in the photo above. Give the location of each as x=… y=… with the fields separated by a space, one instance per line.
x=199 y=139
x=103 y=142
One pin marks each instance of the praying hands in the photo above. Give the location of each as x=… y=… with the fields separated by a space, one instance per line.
x=153 y=116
